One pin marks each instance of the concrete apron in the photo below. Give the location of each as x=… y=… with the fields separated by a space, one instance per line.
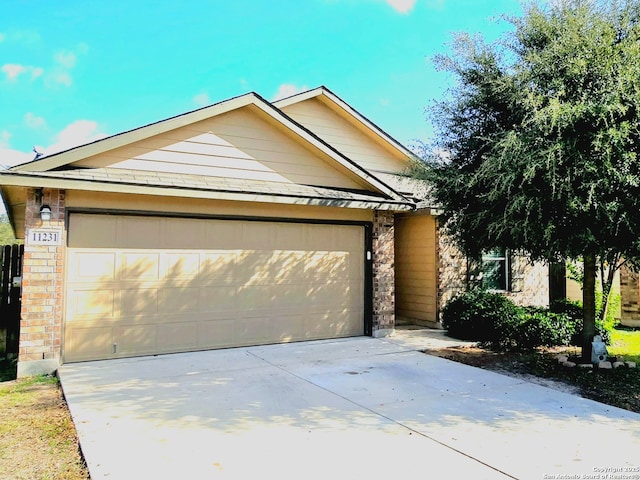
x=352 y=408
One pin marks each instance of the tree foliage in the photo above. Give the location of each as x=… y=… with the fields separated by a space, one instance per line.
x=539 y=139
x=6 y=233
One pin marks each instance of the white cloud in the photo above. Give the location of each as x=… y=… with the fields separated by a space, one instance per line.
x=28 y=37
x=288 y=89
x=33 y=121
x=65 y=58
x=74 y=134
x=59 y=77
x=64 y=61
x=402 y=6
x=13 y=71
x=4 y=139
x=8 y=156
x=202 y=99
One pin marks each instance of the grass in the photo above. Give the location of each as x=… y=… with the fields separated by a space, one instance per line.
x=38 y=440
x=619 y=387
x=625 y=342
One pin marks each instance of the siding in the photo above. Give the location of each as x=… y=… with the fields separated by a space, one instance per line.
x=416 y=269
x=237 y=144
x=346 y=137
x=192 y=206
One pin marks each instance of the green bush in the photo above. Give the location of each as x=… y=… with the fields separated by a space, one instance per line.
x=475 y=314
x=497 y=323
x=543 y=328
x=576 y=315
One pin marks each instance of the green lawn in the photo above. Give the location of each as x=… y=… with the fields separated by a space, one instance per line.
x=625 y=343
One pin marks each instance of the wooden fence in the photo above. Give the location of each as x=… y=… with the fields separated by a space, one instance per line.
x=10 y=287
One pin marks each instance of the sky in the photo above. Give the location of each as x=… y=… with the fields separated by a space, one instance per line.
x=74 y=71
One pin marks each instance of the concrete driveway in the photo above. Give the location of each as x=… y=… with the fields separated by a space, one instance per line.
x=343 y=409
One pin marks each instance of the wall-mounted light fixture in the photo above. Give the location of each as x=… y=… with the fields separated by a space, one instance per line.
x=45 y=213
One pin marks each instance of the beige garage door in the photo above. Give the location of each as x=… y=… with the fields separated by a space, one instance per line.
x=146 y=285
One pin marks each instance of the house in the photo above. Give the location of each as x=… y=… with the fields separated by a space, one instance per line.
x=242 y=223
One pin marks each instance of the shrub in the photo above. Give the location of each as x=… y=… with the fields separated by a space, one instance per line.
x=475 y=314
x=575 y=313
x=497 y=323
x=543 y=328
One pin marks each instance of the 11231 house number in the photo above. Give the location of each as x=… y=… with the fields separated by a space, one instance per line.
x=45 y=237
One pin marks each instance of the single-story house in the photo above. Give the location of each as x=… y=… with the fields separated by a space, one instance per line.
x=242 y=223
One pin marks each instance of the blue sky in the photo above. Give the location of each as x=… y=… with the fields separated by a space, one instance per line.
x=73 y=71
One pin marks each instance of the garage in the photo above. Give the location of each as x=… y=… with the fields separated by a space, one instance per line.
x=141 y=285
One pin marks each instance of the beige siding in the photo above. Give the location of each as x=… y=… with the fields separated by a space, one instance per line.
x=416 y=268
x=181 y=206
x=238 y=144
x=346 y=137
x=148 y=285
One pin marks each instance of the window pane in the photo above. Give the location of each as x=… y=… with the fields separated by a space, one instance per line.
x=494 y=274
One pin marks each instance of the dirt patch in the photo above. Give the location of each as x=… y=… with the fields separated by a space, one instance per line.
x=37 y=436
x=619 y=388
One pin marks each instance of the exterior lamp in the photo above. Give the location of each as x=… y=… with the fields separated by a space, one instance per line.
x=45 y=213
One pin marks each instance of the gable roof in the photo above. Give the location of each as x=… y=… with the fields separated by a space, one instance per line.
x=335 y=103
x=64 y=169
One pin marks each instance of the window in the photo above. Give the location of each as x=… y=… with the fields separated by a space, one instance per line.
x=495 y=270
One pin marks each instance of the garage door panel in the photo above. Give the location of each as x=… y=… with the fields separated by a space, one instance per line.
x=139 y=266
x=216 y=333
x=218 y=268
x=90 y=342
x=179 y=300
x=242 y=283
x=252 y=330
x=139 y=232
x=177 y=336
x=255 y=296
x=143 y=301
x=97 y=231
x=286 y=328
x=182 y=233
x=258 y=236
x=91 y=302
x=181 y=265
x=223 y=235
x=217 y=298
x=133 y=340
x=290 y=237
x=91 y=266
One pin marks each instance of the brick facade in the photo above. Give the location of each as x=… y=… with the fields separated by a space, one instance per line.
x=529 y=281
x=383 y=274
x=630 y=297
x=452 y=269
x=42 y=287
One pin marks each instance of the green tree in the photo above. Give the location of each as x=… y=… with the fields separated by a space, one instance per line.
x=537 y=145
x=6 y=233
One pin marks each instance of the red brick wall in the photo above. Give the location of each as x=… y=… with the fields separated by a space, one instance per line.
x=42 y=283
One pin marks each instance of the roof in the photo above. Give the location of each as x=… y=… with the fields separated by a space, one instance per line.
x=58 y=170
x=332 y=100
x=197 y=186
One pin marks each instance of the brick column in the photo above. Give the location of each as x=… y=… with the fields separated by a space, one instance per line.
x=42 y=287
x=384 y=316
x=630 y=296
x=452 y=269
